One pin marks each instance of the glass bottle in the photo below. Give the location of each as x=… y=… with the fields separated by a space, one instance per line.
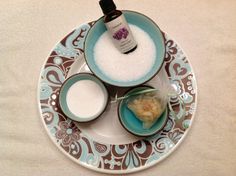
x=118 y=27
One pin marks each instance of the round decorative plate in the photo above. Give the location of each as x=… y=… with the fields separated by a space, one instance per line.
x=96 y=146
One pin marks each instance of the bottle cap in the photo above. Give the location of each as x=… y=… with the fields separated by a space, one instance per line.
x=107 y=6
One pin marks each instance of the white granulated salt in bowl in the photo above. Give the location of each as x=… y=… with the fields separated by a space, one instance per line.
x=83 y=99
x=125 y=67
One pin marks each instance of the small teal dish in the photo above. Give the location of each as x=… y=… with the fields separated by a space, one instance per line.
x=133 y=125
x=140 y=21
x=66 y=86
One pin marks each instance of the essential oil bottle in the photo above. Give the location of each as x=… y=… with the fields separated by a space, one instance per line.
x=118 y=27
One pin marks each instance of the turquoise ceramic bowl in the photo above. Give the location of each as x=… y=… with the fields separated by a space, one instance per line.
x=133 y=125
x=66 y=86
x=142 y=22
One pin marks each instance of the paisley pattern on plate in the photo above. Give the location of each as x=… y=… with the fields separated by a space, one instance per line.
x=103 y=157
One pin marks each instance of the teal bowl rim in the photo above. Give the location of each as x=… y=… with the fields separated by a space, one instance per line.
x=125 y=84
x=137 y=134
x=74 y=117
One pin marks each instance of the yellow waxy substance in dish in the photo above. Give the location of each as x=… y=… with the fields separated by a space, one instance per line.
x=147 y=108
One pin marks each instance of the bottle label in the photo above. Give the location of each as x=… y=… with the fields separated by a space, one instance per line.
x=121 y=34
